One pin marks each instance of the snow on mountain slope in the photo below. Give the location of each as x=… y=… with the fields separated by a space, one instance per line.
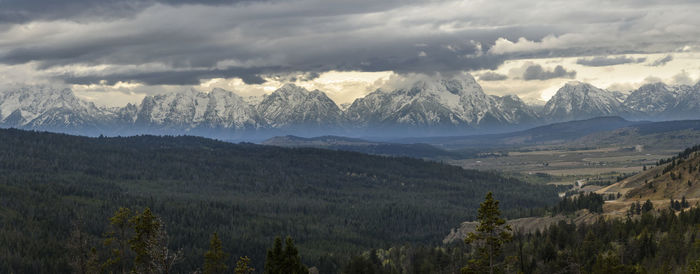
x=577 y=101
x=652 y=98
x=688 y=106
x=291 y=106
x=39 y=107
x=447 y=103
x=516 y=110
x=191 y=109
x=426 y=105
x=661 y=101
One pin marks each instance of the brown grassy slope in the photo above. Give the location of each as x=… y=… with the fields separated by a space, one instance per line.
x=653 y=184
x=658 y=186
x=525 y=225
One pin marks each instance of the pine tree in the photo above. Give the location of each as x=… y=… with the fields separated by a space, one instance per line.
x=588 y=250
x=117 y=240
x=243 y=266
x=215 y=257
x=284 y=260
x=163 y=259
x=85 y=259
x=273 y=261
x=648 y=206
x=647 y=246
x=491 y=233
x=292 y=260
x=146 y=230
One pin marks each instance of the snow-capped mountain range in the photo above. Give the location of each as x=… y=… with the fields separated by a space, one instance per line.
x=292 y=106
x=660 y=101
x=192 y=110
x=448 y=104
x=424 y=107
x=576 y=100
x=49 y=109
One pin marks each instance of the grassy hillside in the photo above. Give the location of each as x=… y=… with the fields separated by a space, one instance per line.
x=331 y=202
x=673 y=179
x=680 y=177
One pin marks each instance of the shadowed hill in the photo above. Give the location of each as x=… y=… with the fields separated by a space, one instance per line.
x=556 y=133
x=331 y=202
x=670 y=134
x=359 y=145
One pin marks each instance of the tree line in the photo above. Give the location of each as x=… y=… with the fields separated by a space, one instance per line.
x=656 y=241
x=137 y=242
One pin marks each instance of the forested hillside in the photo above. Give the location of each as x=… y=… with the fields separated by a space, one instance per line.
x=657 y=241
x=332 y=203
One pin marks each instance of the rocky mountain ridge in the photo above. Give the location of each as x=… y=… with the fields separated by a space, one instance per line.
x=429 y=107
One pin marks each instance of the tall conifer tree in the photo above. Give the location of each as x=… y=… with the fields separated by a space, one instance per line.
x=491 y=233
x=215 y=257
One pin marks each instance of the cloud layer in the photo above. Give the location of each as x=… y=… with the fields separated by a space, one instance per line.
x=662 y=61
x=604 y=61
x=492 y=76
x=187 y=42
x=537 y=72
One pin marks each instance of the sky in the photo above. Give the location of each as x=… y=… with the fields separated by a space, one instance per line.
x=114 y=52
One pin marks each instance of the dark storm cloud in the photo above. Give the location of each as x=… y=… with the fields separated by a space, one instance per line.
x=604 y=61
x=662 y=61
x=299 y=76
x=492 y=76
x=20 y=11
x=187 y=47
x=537 y=72
x=181 y=77
x=193 y=40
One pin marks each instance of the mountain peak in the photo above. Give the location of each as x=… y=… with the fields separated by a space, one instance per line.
x=219 y=90
x=444 y=103
x=576 y=83
x=512 y=97
x=44 y=107
x=291 y=88
x=188 y=92
x=294 y=105
x=656 y=86
x=577 y=100
x=457 y=84
x=577 y=86
x=662 y=101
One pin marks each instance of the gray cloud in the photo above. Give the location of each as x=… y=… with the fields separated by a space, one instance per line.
x=603 y=61
x=235 y=40
x=20 y=11
x=180 y=77
x=537 y=72
x=662 y=61
x=193 y=40
x=301 y=76
x=492 y=76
